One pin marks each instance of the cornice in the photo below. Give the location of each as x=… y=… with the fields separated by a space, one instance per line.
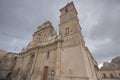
x=43 y=45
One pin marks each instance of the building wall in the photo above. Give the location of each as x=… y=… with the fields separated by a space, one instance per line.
x=111 y=70
x=110 y=74
x=2 y=53
x=7 y=64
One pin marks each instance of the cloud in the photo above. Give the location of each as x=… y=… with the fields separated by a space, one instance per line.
x=105 y=33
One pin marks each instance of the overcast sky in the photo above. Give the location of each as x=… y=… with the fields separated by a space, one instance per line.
x=99 y=19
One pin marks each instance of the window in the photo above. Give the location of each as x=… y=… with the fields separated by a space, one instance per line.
x=48 y=55
x=66 y=10
x=15 y=58
x=67 y=31
x=32 y=56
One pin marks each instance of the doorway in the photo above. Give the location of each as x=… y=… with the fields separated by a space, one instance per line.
x=45 y=76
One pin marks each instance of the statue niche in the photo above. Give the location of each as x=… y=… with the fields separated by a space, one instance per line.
x=30 y=63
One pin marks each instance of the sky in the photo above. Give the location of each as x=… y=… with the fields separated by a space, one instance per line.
x=99 y=19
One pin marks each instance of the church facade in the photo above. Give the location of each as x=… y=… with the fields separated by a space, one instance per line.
x=57 y=57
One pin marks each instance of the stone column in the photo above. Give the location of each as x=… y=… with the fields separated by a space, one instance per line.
x=58 y=62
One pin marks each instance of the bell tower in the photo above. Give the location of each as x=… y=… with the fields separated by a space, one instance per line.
x=74 y=58
x=69 y=27
x=69 y=22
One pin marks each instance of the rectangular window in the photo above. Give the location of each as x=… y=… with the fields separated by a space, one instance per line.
x=67 y=31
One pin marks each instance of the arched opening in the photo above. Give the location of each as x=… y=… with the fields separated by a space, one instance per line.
x=15 y=58
x=111 y=75
x=104 y=75
x=9 y=75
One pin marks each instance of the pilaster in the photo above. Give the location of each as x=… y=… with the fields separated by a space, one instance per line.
x=58 y=62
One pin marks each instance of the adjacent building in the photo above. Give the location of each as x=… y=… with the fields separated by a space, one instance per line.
x=2 y=53
x=7 y=64
x=111 y=71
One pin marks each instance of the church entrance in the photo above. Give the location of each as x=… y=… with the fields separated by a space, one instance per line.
x=45 y=76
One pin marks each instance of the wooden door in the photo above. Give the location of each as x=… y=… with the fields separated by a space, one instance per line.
x=45 y=76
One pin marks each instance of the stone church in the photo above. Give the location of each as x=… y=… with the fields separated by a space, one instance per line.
x=57 y=57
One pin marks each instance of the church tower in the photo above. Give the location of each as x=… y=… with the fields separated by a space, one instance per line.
x=75 y=59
